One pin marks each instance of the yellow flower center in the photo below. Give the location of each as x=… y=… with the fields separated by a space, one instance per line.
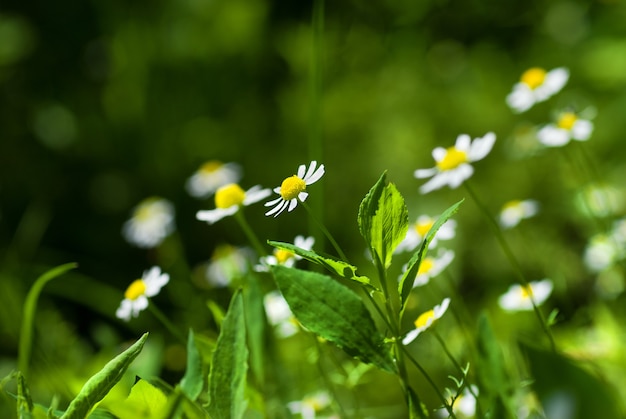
x=512 y=204
x=211 y=166
x=135 y=290
x=534 y=77
x=453 y=159
x=283 y=256
x=144 y=213
x=424 y=227
x=424 y=318
x=426 y=266
x=526 y=291
x=567 y=121
x=291 y=187
x=229 y=195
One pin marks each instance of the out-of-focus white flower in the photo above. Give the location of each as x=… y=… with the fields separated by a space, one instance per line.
x=292 y=190
x=136 y=295
x=227 y=263
x=536 y=85
x=464 y=406
x=430 y=267
x=425 y=320
x=568 y=127
x=151 y=222
x=418 y=230
x=228 y=200
x=285 y=257
x=311 y=405
x=279 y=314
x=520 y=297
x=211 y=176
x=601 y=253
x=515 y=211
x=453 y=163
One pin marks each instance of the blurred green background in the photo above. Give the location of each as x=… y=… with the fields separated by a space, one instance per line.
x=105 y=103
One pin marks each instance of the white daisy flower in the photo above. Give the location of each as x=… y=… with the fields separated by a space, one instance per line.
x=311 y=405
x=513 y=212
x=279 y=314
x=285 y=257
x=228 y=262
x=229 y=198
x=151 y=222
x=430 y=267
x=518 y=297
x=601 y=253
x=136 y=295
x=418 y=230
x=453 y=163
x=292 y=190
x=211 y=176
x=536 y=85
x=568 y=127
x=464 y=406
x=425 y=320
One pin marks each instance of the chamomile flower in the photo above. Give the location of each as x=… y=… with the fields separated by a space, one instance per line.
x=136 y=295
x=453 y=163
x=568 y=127
x=601 y=252
x=292 y=190
x=513 y=212
x=151 y=222
x=279 y=314
x=536 y=85
x=229 y=198
x=418 y=230
x=227 y=263
x=464 y=406
x=431 y=266
x=311 y=405
x=285 y=257
x=521 y=297
x=425 y=320
x=211 y=176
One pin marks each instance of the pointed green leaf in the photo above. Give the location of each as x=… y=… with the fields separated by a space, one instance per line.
x=338 y=267
x=24 y=402
x=255 y=327
x=99 y=385
x=193 y=380
x=383 y=220
x=407 y=279
x=227 y=378
x=334 y=312
x=144 y=401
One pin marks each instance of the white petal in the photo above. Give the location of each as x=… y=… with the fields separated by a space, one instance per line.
x=310 y=171
x=424 y=173
x=481 y=147
x=292 y=205
x=410 y=337
x=439 y=153
x=552 y=136
x=273 y=202
x=312 y=178
x=437 y=182
x=124 y=311
x=463 y=143
x=582 y=129
x=521 y=98
x=256 y=194
x=212 y=216
x=301 y=171
x=302 y=196
x=459 y=175
x=281 y=204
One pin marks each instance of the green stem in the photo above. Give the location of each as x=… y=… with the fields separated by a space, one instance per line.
x=252 y=238
x=421 y=369
x=329 y=236
x=512 y=260
x=166 y=322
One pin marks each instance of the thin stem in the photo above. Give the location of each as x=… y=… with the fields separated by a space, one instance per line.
x=512 y=260
x=252 y=238
x=329 y=236
x=166 y=322
x=431 y=382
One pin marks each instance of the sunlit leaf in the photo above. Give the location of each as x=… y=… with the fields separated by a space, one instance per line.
x=334 y=312
x=193 y=380
x=255 y=326
x=145 y=401
x=407 y=279
x=227 y=378
x=383 y=219
x=338 y=267
x=99 y=385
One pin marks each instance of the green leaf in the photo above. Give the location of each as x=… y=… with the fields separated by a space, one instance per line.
x=145 y=401
x=24 y=402
x=255 y=327
x=334 y=312
x=103 y=381
x=560 y=380
x=227 y=378
x=30 y=305
x=193 y=380
x=338 y=267
x=383 y=220
x=406 y=281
